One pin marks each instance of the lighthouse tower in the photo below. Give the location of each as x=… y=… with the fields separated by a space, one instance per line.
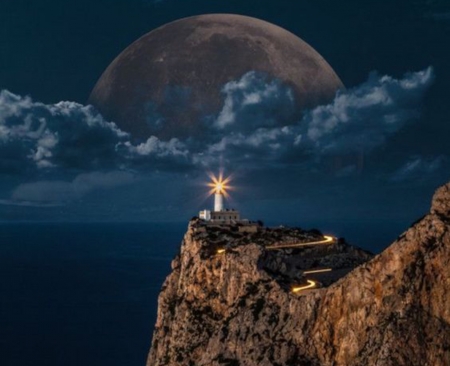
x=220 y=215
x=218 y=198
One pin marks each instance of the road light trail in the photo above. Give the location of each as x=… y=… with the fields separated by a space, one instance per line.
x=326 y=240
x=311 y=284
x=318 y=270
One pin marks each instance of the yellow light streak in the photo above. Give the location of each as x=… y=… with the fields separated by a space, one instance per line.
x=311 y=284
x=318 y=271
x=221 y=251
x=326 y=240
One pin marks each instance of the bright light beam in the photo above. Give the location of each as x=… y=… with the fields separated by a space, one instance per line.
x=219 y=184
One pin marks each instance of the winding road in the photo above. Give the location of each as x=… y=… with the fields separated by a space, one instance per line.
x=311 y=283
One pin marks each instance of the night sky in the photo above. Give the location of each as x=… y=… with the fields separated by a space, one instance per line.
x=374 y=154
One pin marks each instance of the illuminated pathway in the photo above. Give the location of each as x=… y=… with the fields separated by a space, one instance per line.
x=318 y=271
x=311 y=284
x=326 y=240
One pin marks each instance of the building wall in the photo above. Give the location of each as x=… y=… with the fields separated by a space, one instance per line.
x=205 y=215
x=225 y=215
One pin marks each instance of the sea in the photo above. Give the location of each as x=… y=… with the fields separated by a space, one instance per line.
x=77 y=294
x=81 y=294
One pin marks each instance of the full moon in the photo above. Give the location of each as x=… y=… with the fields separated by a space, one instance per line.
x=168 y=80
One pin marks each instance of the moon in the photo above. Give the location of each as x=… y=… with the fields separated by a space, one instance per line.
x=166 y=82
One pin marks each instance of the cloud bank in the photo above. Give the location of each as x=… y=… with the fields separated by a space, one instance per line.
x=359 y=119
x=67 y=135
x=257 y=128
x=255 y=101
x=45 y=192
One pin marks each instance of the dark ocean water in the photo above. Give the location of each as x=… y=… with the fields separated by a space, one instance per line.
x=86 y=294
x=81 y=295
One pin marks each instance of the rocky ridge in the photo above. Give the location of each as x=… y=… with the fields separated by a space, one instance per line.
x=237 y=308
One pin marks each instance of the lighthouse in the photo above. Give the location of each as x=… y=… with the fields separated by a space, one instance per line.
x=218 y=197
x=220 y=214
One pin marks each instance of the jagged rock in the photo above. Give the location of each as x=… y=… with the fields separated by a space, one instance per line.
x=441 y=203
x=228 y=310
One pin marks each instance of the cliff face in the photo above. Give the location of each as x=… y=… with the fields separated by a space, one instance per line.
x=230 y=309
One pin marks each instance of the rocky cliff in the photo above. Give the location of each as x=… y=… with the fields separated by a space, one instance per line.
x=237 y=308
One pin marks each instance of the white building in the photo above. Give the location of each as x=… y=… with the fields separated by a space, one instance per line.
x=226 y=215
x=205 y=215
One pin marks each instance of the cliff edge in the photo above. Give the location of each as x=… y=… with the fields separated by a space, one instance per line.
x=229 y=300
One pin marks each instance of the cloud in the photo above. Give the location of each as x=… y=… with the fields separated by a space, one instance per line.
x=364 y=117
x=255 y=101
x=155 y=147
x=256 y=127
x=52 y=192
x=418 y=168
x=358 y=120
x=67 y=135
x=55 y=154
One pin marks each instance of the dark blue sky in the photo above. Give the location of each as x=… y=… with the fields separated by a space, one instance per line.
x=55 y=51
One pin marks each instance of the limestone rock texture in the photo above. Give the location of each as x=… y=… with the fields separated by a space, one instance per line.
x=391 y=310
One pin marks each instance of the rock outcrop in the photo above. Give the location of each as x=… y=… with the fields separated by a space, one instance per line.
x=231 y=309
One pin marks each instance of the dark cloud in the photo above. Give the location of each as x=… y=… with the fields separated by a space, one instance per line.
x=255 y=101
x=358 y=120
x=67 y=135
x=58 y=191
x=364 y=117
x=419 y=169
x=67 y=149
x=154 y=147
x=255 y=125
x=43 y=136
